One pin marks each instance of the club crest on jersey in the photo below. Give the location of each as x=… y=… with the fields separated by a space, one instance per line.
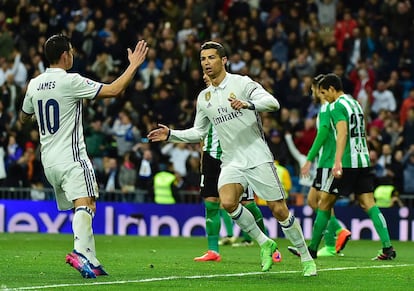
x=90 y=83
x=232 y=96
x=207 y=96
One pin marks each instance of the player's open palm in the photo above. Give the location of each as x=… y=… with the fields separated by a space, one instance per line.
x=159 y=134
x=137 y=56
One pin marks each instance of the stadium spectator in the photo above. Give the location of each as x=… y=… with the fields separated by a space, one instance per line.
x=385 y=157
x=379 y=170
x=178 y=155
x=96 y=142
x=343 y=29
x=395 y=84
x=146 y=167
x=389 y=59
x=408 y=129
x=102 y=66
x=278 y=147
x=383 y=99
x=166 y=184
x=304 y=138
x=3 y=170
x=14 y=151
x=406 y=80
x=395 y=170
x=124 y=132
x=326 y=12
x=149 y=74
x=128 y=176
x=398 y=15
x=407 y=104
x=363 y=90
x=12 y=99
x=408 y=164
x=386 y=194
x=17 y=69
x=108 y=178
x=192 y=179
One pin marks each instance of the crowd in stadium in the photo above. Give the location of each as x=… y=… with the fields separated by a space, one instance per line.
x=280 y=44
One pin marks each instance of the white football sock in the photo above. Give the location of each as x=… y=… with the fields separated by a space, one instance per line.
x=293 y=231
x=247 y=223
x=84 y=241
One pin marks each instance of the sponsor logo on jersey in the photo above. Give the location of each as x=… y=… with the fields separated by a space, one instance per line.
x=207 y=96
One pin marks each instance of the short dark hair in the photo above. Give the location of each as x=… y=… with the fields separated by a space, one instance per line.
x=55 y=46
x=331 y=80
x=317 y=79
x=214 y=45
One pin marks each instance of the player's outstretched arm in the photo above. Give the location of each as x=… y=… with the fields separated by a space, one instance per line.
x=136 y=58
x=160 y=134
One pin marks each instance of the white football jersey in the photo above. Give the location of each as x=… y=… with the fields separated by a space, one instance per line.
x=239 y=131
x=55 y=97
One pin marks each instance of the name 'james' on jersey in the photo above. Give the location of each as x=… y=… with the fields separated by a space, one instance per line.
x=55 y=97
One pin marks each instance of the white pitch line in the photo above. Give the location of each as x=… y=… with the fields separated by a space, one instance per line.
x=4 y=288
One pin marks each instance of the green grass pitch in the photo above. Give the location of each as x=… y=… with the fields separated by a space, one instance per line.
x=37 y=262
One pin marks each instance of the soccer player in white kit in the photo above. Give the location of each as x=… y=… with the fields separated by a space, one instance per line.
x=232 y=105
x=55 y=98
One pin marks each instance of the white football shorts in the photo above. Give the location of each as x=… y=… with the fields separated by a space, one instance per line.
x=71 y=181
x=262 y=179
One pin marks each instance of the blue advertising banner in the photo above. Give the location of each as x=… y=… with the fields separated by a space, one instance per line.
x=182 y=220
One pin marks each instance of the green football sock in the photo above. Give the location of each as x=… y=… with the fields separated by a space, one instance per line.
x=319 y=227
x=258 y=216
x=228 y=222
x=380 y=225
x=331 y=231
x=212 y=224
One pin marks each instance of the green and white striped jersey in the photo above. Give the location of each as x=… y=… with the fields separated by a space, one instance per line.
x=356 y=154
x=212 y=144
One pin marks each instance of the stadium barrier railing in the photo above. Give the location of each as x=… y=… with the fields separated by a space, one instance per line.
x=138 y=196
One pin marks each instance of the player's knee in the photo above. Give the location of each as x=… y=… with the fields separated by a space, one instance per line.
x=229 y=206
x=313 y=203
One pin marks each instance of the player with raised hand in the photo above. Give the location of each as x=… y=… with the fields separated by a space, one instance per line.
x=55 y=97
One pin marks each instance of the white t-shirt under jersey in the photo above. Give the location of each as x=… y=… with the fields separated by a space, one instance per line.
x=239 y=131
x=55 y=97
